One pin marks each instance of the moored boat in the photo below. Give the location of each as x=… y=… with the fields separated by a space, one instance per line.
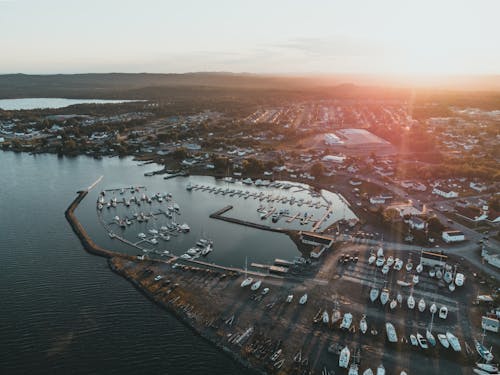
x=483 y=351
x=384 y=296
x=303 y=299
x=381 y=370
x=374 y=294
x=363 y=326
x=246 y=282
x=421 y=305
x=443 y=312
x=411 y=302
x=443 y=340
x=345 y=356
x=430 y=338
x=353 y=370
x=413 y=340
x=391 y=332
x=487 y=367
x=453 y=340
x=346 y=321
x=422 y=341
x=256 y=285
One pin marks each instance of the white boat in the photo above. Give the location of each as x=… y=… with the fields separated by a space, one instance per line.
x=443 y=340
x=421 y=305
x=380 y=252
x=443 y=312
x=487 y=367
x=403 y=283
x=390 y=261
x=368 y=371
x=393 y=304
x=336 y=316
x=346 y=321
x=353 y=370
x=289 y=298
x=384 y=296
x=433 y=309
x=345 y=356
x=207 y=250
x=141 y=235
x=246 y=282
x=432 y=272
x=459 y=279
x=409 y=266
x=422 y=341
x=381 y=370
x=184 y=227
x=385 y=269
x=186 y=256
x=154 y=232
x=247 y=181
x=371 y=259
x=380 y=261
x=326 y=317
x=413 y=340
x=451 y=287
x=439 y=274
x=111 y=235
x=415 y=279
x=398 y=264
x=374 y=292
x=411 y=302
x=154 y=241
x=391 y=332
x=193 y=251
x=256 y=285
x=483 y=372
x=303 y=299
x=419 y=268
x=483 y=351
x=265 y=291
x=448 y=277
x=454 y=343
x=363 y=325
x=430 y=338
x=399 y=298
x=189 y=186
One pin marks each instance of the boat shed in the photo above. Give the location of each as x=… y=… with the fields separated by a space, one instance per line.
x=433 y=259
x=311 y=238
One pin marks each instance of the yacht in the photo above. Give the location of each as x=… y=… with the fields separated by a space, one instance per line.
x=184 y=227
x=141 y=235
x=419 y=268
x=451 y=287
x=374 y=292
x=411 y=302
x=247 y=181
x=303 y=299
x=443 y=312
x=422 y=341
x=363 y=326
x=439 y=274
x=265 y=291
x=399 y=298
x=189 y=186
x=421 y=305
x=443 y=340
x=154 y=241
x=390 y=261
x=353 y=370
x=409 y=266
x=413 y=340
x=380 y=261
x=246 y=282
x=346 y=321
x=459 y=279
x=193 y=251
x=453 y=340
x=380 y=252
x=415 y=279
x=256 y=285
x=482 y=372
x=430 y=338
x=345 y=356
x=207 y=250
x=112 y=235
x=487 y=367
x=381 y=370
x=186 y=256
x=391 y=332
x=154 y=232
x=384 y=296
x=483 y=351
x=448 y=277
x=432 y=272
x=336 y=316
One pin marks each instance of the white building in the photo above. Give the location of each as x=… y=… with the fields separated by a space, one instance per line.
x=478 y=187
x=445 y=193
x=417 y=223
x=453 y=236
x=377 y=200
x=333 y=159
x=332 y=140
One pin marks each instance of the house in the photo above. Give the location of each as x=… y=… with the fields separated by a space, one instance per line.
x=354 y=182
x=417 y=223
x=445 y=193
x=478 y=187
x=473 y=214
x=334 y=159
x=377 y=200
x=493 y=217
x=453 y=236
x=405 y=209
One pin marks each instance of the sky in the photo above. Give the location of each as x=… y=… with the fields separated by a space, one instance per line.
x=272 y=36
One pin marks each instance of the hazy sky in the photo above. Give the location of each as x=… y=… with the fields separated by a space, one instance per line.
x=271 y=36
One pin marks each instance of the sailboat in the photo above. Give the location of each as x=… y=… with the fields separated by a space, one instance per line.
x=248 y=280
x=353 y=370
x=345 y=356
x=393 y=304
x=346 y=321
x=430 y=338
x=371 y=259
x=368 y=371
x=374 y=294
x=483 y=351
x=443 y=312
x=399 y=298
x=391 y=332
x=303 y=299
x=487 y=367
x=422 y=341
x=363 y=326
x=326 y=317
x=419 y=268
x=256 y=285
x=433 y=308
x=454 y=343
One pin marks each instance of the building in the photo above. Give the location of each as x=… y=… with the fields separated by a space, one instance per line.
x=453 y=236
x=331 y=139
x=473 y=214
x=478 y=187
x=490 y=324
x=311 y=238
x=491 y=257
x=417 y=223
x=433 y=259
x=377 y=200
x=333 y=159
x=445 y=193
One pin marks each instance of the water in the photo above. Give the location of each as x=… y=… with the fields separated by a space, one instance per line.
x=62 y=310
x=44 y=103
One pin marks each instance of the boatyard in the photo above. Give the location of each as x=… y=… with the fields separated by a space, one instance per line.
x=358 y=308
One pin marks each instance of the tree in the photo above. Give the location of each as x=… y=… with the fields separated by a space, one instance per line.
x=434 y=225
x=180 y=153
x=390 y=215
x=317 y=170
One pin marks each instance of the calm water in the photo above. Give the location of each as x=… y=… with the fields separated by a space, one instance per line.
x=62 y=310
x=42 y=103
